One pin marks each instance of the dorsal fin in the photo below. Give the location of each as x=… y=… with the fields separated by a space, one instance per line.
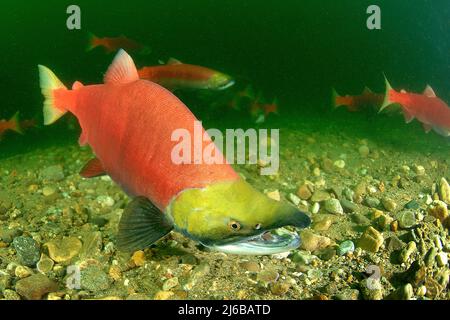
x=367 y=90
x=172 y=61
x=403 y=91
x=122 y=70
x=429 y=92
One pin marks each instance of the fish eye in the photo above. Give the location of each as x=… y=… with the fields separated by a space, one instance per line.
x=258 y=226
x=234 y=225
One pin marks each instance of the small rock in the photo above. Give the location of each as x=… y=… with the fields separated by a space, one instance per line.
x=430 y=257
x=294 y=199
x=412 y=205
x=250 y=266
x=333 y=206
x=322 y=224
x=315 y=208
x=304 y=192
x=438 y=209
x=371 y=240
x=23 y=272
x=27 y=249
x=94 y=279
x=138 y=258
x=406 y=253
x=48 y=191
x=188 y=259
x=10 y=295
x=313 y=242
x=170 y=283
x=384 y=221
x=302 y=257
x=415 y=273
x=35 y=286
x=442 y=259
x=348 y=206
x=280 y=288
x=345 y=247
x=275 y=195
x=444 y=191
x=405 y=292
x=339 y=164
x=163 y=295
x=63 y=250
x=419 y=170
x=267 y=276
x=319 y=196
x=389 y=204
x=105 y=201
x=406 y=219
x=348 y=294
x=372 y=202
x=53 y=173
x=364 y=151
x=348 y=194
x=394 y=243
x=45 y=264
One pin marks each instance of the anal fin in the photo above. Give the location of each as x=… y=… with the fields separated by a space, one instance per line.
x=408 y=117
x=426 y=127
x=93 y=168
x=141 y=225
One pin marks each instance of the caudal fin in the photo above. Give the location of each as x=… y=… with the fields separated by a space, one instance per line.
x=49 y=83
x=16 y=123
x=92 y=41
x=334 y=98
x=386 y=102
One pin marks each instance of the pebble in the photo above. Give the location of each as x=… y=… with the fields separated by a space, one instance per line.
x=35 y=286
x=322 y=224
x=304 y=192
x=438 y=209
x=48 y=191
x=105 y=201
x=442 y=259
x=63 y=250
x=294 y=199
x=315 y=208
x=45 y=264
x=389 y=204
x=302 y=257
x=394 y=243
x=444 y=191
x=163 y=295
x=170 y=283
x=27 y=250
x=364 y=151
x=405 y=292
x=371 y=240
x=348 y=294
x=421 y=291
x=384 y=221
x=320 y=195
x=250 y=266
x=53 y=173
x=346 y=247
x=372 y=202
x=430 y=257
x=413 y=205
x=11 y=295
x=313 y=242
x=333 y=206
x=23 y=272
x=197 y=274
x=348 y=206
x=280 y=288
x=419 y=170
x=275 y=195
x=138 y=258
x=406 y=219
x=189 y=259
x=267 y=276
x=339 y=164
x=406 y=253
x=94 y=279
x=348 y=193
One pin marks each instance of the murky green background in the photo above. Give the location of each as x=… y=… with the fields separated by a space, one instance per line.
x=294 y=50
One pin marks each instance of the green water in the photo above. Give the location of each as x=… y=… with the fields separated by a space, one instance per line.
x=294 y=50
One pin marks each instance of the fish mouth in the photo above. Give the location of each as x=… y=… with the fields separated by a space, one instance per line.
x=226 y=85
x=269 y=242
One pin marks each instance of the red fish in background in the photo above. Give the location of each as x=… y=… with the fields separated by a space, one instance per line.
x=12 y=124
x=178 y=75
x=112 y=44
x=259 y=111
x=431 y=111
x=355 y=103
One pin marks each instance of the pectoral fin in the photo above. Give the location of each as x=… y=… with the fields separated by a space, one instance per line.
x=93 y=168
x=141 y=225
x=426 y=127
x=408 y=117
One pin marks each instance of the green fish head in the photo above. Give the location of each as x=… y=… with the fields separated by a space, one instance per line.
x=234 y=213
x=220 y=81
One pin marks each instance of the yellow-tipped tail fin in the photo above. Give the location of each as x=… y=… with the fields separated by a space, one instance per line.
x=386 y=102
x=15 y=121
x=49 y=82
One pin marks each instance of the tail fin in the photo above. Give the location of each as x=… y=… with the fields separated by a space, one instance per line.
x=334 y=98
x=386 y=101
x=49 y=82
x=16 y=123
x=92 y=41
